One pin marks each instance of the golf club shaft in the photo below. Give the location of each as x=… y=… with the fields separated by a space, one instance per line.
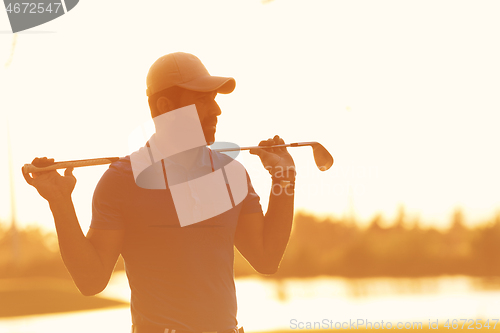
x=30 y=168
x=296 y=144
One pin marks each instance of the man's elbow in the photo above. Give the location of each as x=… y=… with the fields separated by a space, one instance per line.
x=268 y=271
x=90 y=289
x=89 y=292
x=267 y=268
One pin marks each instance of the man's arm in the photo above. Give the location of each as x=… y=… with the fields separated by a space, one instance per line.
x=262 y=240
x=90 y=260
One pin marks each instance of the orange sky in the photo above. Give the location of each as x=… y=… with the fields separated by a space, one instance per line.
x=403 y=94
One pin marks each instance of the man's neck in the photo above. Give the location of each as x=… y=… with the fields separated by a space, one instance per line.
x=188 y=158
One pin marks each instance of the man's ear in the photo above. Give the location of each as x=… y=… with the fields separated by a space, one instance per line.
x=164 y=105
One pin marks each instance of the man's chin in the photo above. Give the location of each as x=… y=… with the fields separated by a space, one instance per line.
x=210 y=140
x=209 y=137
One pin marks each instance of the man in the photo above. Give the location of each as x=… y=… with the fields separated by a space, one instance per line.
x=181 y=277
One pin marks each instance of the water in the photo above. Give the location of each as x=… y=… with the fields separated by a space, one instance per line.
x=271 y=305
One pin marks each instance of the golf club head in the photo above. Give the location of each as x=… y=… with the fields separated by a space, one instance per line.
x=322 y=157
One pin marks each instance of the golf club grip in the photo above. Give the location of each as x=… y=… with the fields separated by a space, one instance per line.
x=30 y=168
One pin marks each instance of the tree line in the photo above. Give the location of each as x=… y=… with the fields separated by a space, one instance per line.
x=318 y=246
x=337 y=247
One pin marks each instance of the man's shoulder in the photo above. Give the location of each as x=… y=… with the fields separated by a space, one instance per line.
x=119 y=169
x=122 y=165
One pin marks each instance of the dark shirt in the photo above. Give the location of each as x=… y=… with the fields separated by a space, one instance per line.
x=180 y=277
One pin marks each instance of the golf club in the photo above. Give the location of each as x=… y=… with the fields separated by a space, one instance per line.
x=322 y=157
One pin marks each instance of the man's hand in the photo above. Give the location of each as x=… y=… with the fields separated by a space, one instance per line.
x=277 y=161
x=50 y=184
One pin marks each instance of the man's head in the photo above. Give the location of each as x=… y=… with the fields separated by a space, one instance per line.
x=180 y=79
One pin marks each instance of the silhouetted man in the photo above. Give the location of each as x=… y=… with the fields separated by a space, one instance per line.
x=181 y=276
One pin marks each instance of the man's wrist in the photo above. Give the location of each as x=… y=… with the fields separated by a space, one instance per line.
x=283 y=184
x=288 y=177
x=60 y=201
x=283 y=173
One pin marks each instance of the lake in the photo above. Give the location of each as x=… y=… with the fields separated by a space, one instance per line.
x=265 y=304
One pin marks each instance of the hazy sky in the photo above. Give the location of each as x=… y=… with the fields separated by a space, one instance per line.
x=404 y=94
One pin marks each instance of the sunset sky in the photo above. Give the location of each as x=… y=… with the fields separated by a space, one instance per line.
x=404 y=94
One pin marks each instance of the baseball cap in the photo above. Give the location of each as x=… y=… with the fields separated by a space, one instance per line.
x=186 y=71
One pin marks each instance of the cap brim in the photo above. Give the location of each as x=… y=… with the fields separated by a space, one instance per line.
x=223 y=85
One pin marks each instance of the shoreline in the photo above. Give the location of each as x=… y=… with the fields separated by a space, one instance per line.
x=37 y=296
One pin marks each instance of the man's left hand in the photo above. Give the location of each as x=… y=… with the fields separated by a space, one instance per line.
x=277 y=161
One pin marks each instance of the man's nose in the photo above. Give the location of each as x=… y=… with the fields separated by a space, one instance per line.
x=215 y=110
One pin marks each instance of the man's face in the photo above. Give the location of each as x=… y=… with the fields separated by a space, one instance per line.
x=208 y=110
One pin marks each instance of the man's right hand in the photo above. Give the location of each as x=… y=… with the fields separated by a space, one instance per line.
x=50 y=184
